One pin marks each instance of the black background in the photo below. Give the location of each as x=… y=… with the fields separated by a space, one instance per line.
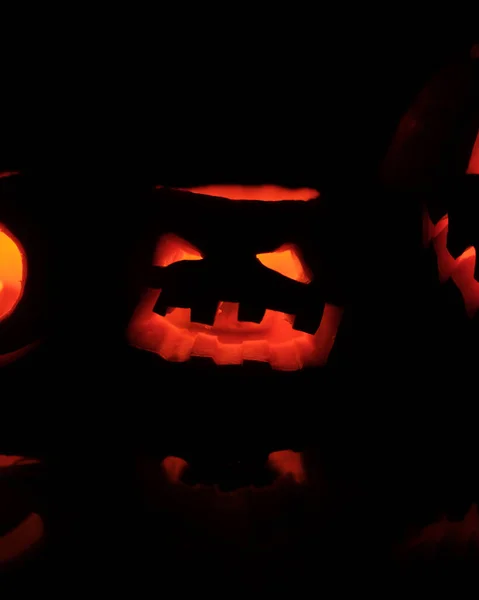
x=322 y=116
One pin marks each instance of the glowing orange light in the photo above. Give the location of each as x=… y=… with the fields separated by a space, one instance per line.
x=171 y=249
x=174 y=468
x=265 y=193
x=229 y=341
x=287 y=261
x=287 y=462
x=12 y=272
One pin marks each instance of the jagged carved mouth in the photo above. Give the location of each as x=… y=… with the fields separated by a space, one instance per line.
x=176 y=338
x=172 y=323
x=461 y=269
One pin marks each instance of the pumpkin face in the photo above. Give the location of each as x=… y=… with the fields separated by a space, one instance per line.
x=232 y=279
x=252 y=529
x=435 y=156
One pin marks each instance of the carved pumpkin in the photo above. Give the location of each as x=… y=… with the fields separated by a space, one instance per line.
x=232 y=280
x=22 y=270
x=435 y=155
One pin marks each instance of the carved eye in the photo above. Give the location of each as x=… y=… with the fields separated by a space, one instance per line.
x=171 y=248
x=12 y=272
x=288 y=261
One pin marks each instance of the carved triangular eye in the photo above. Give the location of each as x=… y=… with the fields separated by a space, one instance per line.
x=171 y=248
x=12 y=272
x=288 y=261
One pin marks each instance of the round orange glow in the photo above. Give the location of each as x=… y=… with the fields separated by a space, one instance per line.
x=13 y=271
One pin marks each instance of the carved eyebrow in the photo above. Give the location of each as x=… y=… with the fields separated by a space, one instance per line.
x=261 y=193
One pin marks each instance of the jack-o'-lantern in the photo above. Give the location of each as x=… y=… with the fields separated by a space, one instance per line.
x=22 y=269
x=435 y=156
x=233 y=283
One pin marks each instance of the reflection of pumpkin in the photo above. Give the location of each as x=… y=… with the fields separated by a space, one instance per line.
x=239 y=531
x=238 y=281
x=22 y=284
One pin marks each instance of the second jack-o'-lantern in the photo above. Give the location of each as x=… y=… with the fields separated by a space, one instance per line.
x=435 y=156
x=22 y=269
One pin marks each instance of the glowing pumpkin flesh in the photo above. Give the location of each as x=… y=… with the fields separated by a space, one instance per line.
x=22 y=274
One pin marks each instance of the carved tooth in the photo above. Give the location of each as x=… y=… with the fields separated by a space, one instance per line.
x=228 y=354
x=305 y=347
x=255 y=350
x=204 y=345
x=287 y=462
x=204 y=312
x=309 y=319
x=250 y=313
x=177 y=345
x=146 y=333
x=161 y=306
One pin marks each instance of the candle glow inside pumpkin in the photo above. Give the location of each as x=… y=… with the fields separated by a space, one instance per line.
x=460 y=269
x=12 y=272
